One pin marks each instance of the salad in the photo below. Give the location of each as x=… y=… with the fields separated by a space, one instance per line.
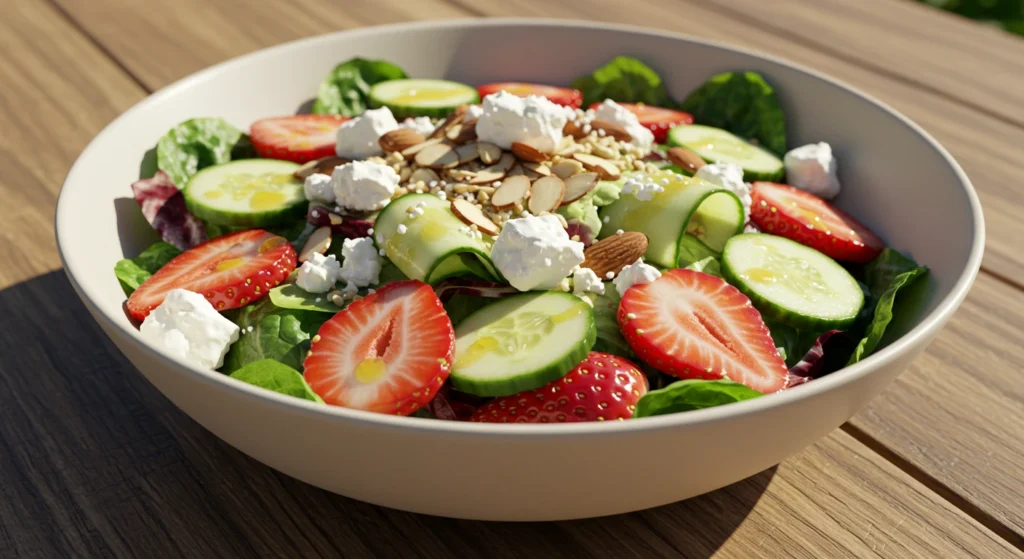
x=510 y=252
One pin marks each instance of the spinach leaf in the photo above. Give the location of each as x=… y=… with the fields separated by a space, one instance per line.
x=132 y=272
x=742 y=103
x=346 y=90
x=609 y=337
x=194 y=144
x=279 y=334
x=795 y=343
x=626 y=80
x=692 y=394
x=276 y=376
x=709 y=265
x=459 y=306
x=886 y=275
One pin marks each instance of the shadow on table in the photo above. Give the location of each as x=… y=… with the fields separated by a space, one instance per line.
x=95 y=462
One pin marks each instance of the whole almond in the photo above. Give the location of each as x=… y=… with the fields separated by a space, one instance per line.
x=528 y=151
x=453 y=118
x=606 y=169
x=611 y=129
x=471 y=214
x=613 y=253
x=318 y=242
x=323 y=165
x=546 y=195
x=579 y=185
x=400 y=139
x=439 y=156
x=685 y=159
x=512 y=190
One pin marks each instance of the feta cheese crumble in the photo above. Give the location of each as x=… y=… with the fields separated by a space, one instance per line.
x=642 y=187
x=813 y=168
x=421 y=125
x=364 y=185
x=730 y=177
x=508 y=118
x=525 y=245
x=636 y=273
x=318 y=188
x=318 y=274
x=187 y=326
x=361 y=263
x=584 y=281
x=358 y=137
x=473 y=112
x=613 y=112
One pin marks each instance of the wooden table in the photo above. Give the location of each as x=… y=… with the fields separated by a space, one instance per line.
x=95 y=462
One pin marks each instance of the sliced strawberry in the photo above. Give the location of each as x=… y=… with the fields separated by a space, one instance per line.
x=566 y=96
x=298 y=138
x=602 y=386
x=694 y=325
x=789 y=212
x=656 y=119
x=388 y=352
x=230 y=271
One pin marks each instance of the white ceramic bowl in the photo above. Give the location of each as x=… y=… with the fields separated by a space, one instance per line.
x=896 y=179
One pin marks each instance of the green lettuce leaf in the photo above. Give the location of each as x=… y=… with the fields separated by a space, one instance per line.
x=709 y=265
x=459 y=306
x=626 y=80
x=346 y=90
x=195 y=144
x=792 y=342
x=886 y=276
x=742 y=103
x=276 y=376
x=609 y=337
x=279 y=334
x=692 y=394
x=132 y=272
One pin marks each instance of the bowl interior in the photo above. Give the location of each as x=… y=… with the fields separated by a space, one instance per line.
x=895 y=179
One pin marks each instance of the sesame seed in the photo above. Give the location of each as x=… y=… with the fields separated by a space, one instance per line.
x=382 y=252
x=369 y=231
x=619 y=232
x=606 y=219
x=402 y=229
x=610 y=275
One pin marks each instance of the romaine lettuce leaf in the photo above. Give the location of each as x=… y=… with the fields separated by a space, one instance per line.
x=346 y=89
x=742 y=103
x=626 y=80
x=132 y=272
x=276 y=376
x=194 y=144
x=692 y=394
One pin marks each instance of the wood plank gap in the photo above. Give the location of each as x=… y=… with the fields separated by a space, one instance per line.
x=824 y=47
x=935 y=486
x=1016 y=284
x=467 y=7
x=99 y=45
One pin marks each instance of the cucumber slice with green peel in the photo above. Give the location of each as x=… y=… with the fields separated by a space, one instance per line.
x=718 y=146
x=688 y=221
x=792 y=283
x=419 y=97
x=247 y=193
x=434 y=246
x=521 y=343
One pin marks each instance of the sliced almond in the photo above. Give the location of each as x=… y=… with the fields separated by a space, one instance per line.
x=516 y=171
x=613 y=253
x=471 y=214
x=400 y=139
x=578 y=185
x=438 y=156
x=323 y=165
x=570 y=129
x=462 y=133
x=606 y=169
x=685 y=159
x=529 y=151
x=489 y=153
x=566 y=168
x=546 y=195
x=512 y=190
x=453 y=118
x=467 y=152
x=495 y=172
x=425 y=175
x=412 y=151
x=542 y=170
x=611 y=129
x=318 y=243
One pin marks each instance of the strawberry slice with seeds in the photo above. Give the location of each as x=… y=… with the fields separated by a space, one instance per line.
x=656 y=119
x=298 y=138
x=602 y=387
x=800 y=216
x=693 y=325
x=230 y=271
x=388 y=352
x=565 y=96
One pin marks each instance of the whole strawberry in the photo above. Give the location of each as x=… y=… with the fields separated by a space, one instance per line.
x=602 y=387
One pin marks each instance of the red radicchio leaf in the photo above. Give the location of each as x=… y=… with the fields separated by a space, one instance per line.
x=163 y=206
x=477 y=288
x=576 y=228
x=349 y=228
x=829 y=352
x=452 y=405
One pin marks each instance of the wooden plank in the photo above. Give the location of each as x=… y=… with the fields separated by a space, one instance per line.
x=97 y=463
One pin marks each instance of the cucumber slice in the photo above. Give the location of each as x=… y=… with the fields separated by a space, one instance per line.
x=792 y=283
x=433 y=98
x=718 y=146
x=433 y=247
x=247 y=193
x=689 y=221
x=521 y=343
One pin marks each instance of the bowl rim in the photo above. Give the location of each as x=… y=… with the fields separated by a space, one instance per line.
x=928 y=326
